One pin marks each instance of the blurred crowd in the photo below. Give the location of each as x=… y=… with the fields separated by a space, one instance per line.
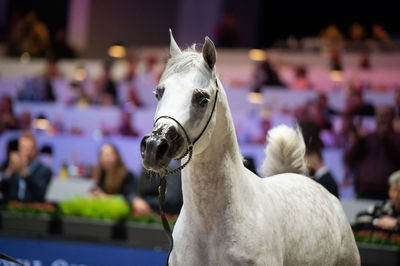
x=368 y=135
x=25 y=176
x=81 y=90
x=356 y=38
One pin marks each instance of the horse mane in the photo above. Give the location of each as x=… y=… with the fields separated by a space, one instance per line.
x=189 y=58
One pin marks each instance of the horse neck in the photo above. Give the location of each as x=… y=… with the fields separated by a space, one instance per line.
x=209 y=181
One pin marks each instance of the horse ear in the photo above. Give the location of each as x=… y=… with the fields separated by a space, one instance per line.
x=209 y=52
x=174 y=49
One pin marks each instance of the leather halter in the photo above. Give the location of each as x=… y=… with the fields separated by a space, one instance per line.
x=162 y=189
x=190 y=143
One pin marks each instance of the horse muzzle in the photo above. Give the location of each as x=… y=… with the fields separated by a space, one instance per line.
x=159 y=147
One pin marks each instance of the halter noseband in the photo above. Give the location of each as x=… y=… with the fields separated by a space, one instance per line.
x=189 y=149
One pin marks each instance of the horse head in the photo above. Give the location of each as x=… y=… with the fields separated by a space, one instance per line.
x=187 y=95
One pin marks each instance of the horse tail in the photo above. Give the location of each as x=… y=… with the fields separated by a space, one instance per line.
x=284 y=152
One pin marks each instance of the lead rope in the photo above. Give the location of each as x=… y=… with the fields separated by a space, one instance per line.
x=162 y=189
x=8 y=258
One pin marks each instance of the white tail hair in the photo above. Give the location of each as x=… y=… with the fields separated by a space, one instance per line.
x=284 y=152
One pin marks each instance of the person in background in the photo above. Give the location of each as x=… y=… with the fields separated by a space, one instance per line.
x=301 y=81
x=78 y=95
x=131 y=82
x=113 y=177
x=148 y=190
x=355 y=104
x=126 y=128
x=266 y=75
x=105 y=88
x=7 y=118
x=36 y=40
x=25 y=178
x=46 y=155
x=331 y=34
x=384 y=215
x=318 y=171
x=60 y=48
x=375 y=156
x=12 y=146
x=25 y=121
x=380 y=34
x=50 y=74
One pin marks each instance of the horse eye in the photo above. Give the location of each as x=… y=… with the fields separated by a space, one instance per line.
x=200 y=97
x=204 y=102
x=159 y=92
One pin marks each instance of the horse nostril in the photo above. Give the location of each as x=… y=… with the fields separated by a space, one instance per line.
x=171 y=134
x=143 y=146
x=162 y=149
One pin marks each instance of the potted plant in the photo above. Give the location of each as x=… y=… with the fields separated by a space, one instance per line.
x=27 y=219
x=92 y=218
x=376 y=246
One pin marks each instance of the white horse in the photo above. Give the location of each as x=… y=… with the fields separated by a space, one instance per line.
x=230 y=216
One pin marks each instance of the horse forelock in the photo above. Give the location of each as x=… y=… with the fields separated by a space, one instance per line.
x=189 y=59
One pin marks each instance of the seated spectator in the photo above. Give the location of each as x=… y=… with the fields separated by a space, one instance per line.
x=36 y=40
x=12 y=146
x=148 y=190
x=25 y=121
x=40 y=88
x=335 y=59
x=319 y=172
x=26 y=178
x=112 y=177
x=50 y=74
x=380 y=34
x=355 y=104
x=384 y=215
x=129 y=91
x=357 y=39
x=7 y=118
x=266 y=75
x=375 y=156
x=301 y=81
x=331 y=34
x=77 y=94
x=126 y=128
x=105 y=88
x=60 y=48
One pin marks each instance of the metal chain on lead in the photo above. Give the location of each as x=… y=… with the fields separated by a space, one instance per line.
x=176 y=170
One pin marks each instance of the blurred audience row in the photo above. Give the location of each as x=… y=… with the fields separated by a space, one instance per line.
x=24 y=176
x=371 y=160
x=335 y=128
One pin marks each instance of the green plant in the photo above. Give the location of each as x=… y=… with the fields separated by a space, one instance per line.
x=110 y=207
x=30 y=207
x=377 y=237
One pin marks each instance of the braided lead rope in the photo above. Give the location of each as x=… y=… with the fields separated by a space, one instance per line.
x=162 y=189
